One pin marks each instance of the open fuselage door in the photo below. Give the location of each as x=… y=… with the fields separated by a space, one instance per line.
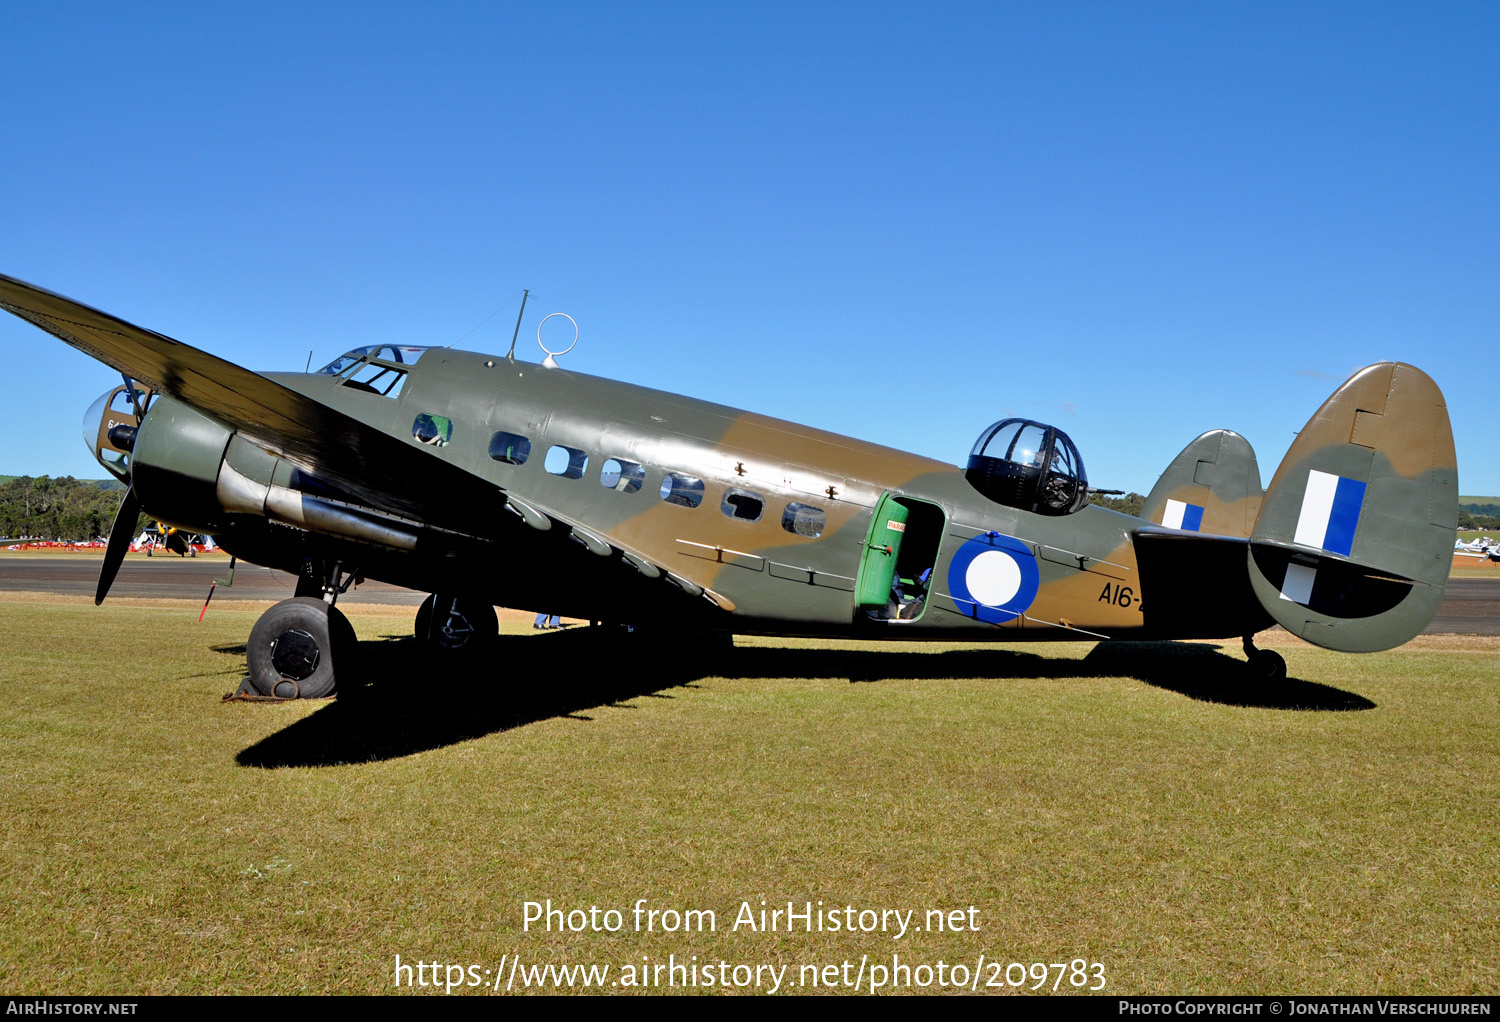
x=900 y=550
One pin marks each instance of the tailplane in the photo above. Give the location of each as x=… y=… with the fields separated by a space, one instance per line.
x=1354 y=537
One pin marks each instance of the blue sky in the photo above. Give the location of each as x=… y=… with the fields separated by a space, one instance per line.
x=900 y=222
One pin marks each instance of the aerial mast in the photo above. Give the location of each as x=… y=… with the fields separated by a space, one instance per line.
x=511 y=354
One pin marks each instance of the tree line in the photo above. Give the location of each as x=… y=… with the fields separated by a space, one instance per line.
x=65 y=508
x=1478 y=517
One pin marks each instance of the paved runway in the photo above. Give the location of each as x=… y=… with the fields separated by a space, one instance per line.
x=1471 y=607
x=167 y=576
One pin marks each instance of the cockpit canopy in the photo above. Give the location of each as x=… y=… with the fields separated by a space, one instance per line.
x=1029 y=465
x=401 y=354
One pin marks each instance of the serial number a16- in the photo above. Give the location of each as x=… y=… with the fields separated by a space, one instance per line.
x=1120 y=596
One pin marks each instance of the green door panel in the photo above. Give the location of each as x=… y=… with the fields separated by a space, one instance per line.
x=877 y=565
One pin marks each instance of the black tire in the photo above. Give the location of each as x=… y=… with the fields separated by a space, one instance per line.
x=464 y=626
x=298 y=649
x=1267 y=666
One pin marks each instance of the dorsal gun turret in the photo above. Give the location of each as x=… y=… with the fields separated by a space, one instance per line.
x=1029 y=465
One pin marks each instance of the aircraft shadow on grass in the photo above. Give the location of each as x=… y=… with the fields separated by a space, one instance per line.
x=411 y=702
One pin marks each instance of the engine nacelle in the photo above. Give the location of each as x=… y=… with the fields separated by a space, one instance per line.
x=174 y=466
x=192 y=471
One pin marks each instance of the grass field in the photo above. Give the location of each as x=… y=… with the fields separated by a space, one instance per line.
x=1143 y=808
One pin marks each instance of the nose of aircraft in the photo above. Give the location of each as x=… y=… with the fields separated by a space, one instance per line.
x=109 y=433
x=91 y=423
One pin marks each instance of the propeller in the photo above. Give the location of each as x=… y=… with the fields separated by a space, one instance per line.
x=119 y=542
x=120 y=533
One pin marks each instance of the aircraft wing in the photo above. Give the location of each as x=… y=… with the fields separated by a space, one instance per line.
x=547 y=519
x=380 y=470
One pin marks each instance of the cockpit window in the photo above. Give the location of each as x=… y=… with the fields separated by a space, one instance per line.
x=377 y=379
x=341 y=363
x=401 y=354
x=1029 y=465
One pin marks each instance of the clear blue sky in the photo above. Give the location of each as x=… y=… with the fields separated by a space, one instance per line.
x=901 y=222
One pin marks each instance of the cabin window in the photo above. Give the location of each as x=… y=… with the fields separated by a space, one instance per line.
x=624 y=476
x=377 y=379
x=568 y=462
x=510 y=448
x=804 y=520
x=432 y=430
x=742 y=504
x=677 y=488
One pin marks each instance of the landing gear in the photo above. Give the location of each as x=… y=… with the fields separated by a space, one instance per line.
x=1264 y=664
x=298 y=648
x=456 y=624
x=324 y=580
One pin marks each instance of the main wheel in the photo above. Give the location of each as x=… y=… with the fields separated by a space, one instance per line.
x=456 y=624
x=1267 y=665
x=298 y=648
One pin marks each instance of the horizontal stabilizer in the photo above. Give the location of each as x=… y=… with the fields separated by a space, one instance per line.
x=1354 y=539
x=1193 y=586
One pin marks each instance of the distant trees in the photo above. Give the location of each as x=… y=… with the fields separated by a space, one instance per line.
x=63 y=509
x=1130 y=504
x=1478 y=517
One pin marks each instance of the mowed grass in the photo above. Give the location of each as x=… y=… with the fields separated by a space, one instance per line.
x=1145 y=808
x=1475 y=568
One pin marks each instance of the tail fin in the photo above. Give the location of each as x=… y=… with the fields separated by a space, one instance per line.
x=1354 y=539
x=1212 y=487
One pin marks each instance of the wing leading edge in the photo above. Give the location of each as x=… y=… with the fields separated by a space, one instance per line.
x=383 y=471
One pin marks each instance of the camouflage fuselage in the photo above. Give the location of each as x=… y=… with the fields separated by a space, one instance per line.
x=759 y=577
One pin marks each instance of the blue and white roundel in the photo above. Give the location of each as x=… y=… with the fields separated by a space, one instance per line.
x=995 y=577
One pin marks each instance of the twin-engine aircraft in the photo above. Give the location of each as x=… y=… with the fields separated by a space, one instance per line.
x=488 y=481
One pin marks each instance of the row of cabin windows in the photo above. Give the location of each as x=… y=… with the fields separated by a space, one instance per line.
x=628 y=476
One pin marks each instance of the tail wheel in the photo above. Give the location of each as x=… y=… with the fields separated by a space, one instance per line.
x=299 y=648
x=456 y=624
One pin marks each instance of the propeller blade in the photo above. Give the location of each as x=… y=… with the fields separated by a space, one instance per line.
x=119 y=542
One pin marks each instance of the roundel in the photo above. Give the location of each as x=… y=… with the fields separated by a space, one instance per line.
x=996 y=575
